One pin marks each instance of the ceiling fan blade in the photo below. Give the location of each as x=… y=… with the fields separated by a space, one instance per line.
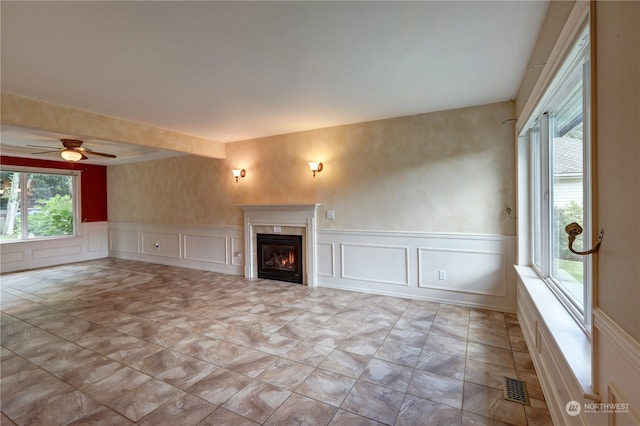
x=43 y=152
x=48 y=147
x=102 y=154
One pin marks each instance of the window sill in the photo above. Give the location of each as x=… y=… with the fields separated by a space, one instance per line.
x=569 y=338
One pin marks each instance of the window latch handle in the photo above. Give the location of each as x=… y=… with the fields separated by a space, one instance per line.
x=574 y=229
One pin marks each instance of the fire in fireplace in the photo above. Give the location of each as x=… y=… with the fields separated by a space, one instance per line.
x=280 y=257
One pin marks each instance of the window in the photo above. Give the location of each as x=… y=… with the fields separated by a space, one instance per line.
x=559 y=148
x=35 y=204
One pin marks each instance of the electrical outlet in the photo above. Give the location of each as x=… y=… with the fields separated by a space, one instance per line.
x=442 y=274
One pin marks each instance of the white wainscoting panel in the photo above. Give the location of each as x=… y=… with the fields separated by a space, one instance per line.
x=96 y=241
x=210 y=248
x=326 y=266
x=375 y=263
x=466 y=271
x=618 y=369
x=90 y=243
x=70 y=249
x=237 y=246
x=124 y=240
x=162 y=244
x=206 y=248
x=407 y=264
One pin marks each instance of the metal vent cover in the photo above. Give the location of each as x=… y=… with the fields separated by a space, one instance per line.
x=515 y=390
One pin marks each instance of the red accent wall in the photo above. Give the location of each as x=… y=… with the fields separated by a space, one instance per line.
x=93 y=190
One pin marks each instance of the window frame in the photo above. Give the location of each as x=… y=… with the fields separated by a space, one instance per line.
x=75 y=194
x=540 y=187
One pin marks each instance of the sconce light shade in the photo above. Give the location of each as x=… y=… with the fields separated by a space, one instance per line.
x=239 y=173
x=71 y=155
x=315 y=167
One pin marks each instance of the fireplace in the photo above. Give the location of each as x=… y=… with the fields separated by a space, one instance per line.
x=279 y=257
x=294 y=219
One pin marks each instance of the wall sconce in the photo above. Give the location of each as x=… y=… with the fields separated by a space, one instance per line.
x=315 y=167
x=239 y=173
x=71 y=155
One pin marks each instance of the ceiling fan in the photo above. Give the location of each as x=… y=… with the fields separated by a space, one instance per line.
x=73 y=150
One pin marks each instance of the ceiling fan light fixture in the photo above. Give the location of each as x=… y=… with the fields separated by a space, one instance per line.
x=71 y=155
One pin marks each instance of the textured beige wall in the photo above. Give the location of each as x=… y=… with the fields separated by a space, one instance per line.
x=556 y=17
x=618 y=161
x=450 y=171
x=25 y=112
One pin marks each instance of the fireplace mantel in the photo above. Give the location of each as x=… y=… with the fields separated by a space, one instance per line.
x=293 y=215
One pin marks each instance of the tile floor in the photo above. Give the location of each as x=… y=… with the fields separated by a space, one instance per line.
x=115 y=342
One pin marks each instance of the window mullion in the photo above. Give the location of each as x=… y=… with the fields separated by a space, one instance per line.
x=587 y=203
x=545 y=192
x=24 y=208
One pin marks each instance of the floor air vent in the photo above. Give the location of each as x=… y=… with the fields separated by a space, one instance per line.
x=515 y=391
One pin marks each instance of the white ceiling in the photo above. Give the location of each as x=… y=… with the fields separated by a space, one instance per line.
x=229 y=71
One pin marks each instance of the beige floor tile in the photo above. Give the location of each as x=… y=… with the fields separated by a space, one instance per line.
x=345 y=363
x=307 y=353
x=489 y=375
x=103 y=416
x=441 y=364
x=188 y=408
x=407 y=337
x=113 y=385
x=418 y=411
x=373 y=401
x=538 y=413
x=159 y=343
x=347 y=418
x=300 y=410
x=251 y=363
x=446 y=345
x=489 y=337
x=257 y=401
x=159 y=362
x=219 y=386
x=441 y=389
x=523 y=362
x=68 y=408
x=490 y=402
x=326 y=386
x=286 y=374
x=490 y=354
x=187 y=373
x=224 y=417
x=399 y=353
x=326 y=337
x=359 y=345
x=388 y=374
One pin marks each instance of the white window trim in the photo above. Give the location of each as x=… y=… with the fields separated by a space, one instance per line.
x=545 y=86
